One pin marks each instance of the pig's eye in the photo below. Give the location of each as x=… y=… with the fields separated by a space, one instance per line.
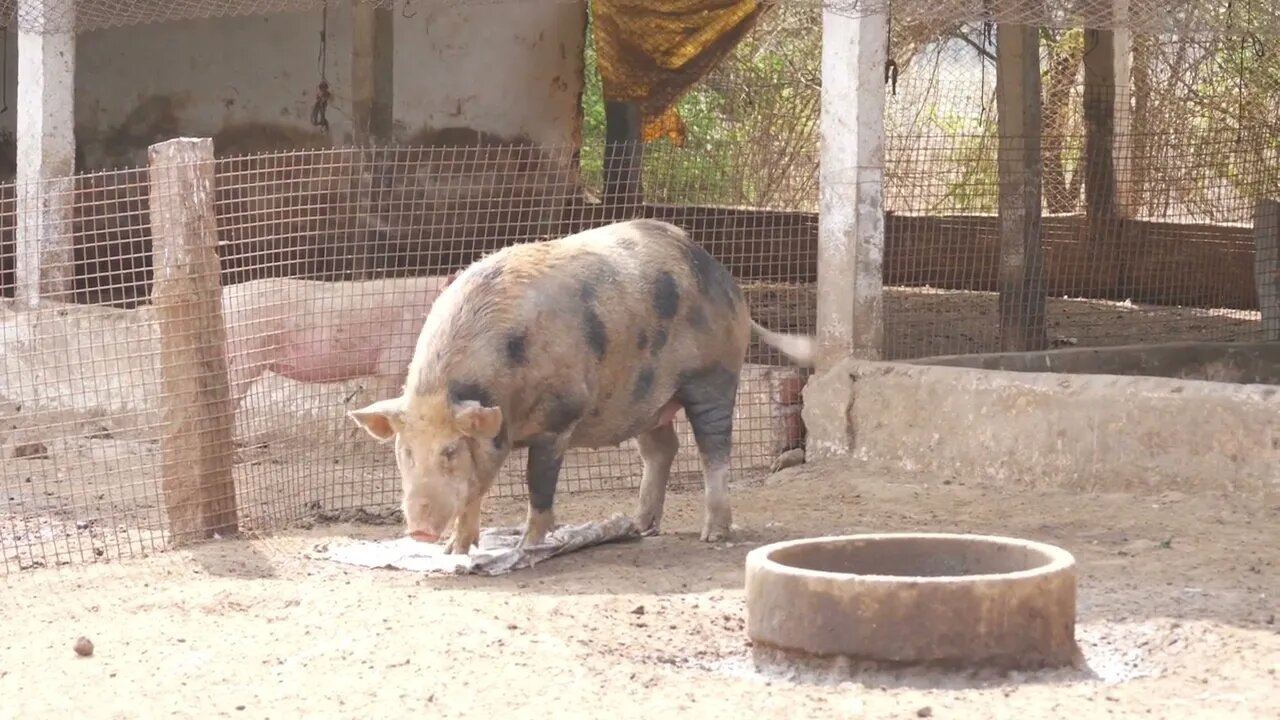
x=450 y=451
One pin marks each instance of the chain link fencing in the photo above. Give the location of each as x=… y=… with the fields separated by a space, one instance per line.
x=1221 y=17
x=330 y=257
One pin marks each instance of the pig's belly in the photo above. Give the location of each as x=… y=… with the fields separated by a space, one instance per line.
x=325 y=361
x=612 y=431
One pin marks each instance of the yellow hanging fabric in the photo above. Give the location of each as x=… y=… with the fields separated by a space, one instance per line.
x=652 y=52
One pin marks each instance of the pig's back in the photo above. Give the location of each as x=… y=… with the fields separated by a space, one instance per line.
x=612 y=319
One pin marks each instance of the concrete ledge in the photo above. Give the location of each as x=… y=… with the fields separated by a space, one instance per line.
x=1091 y=432
x=1235 y=362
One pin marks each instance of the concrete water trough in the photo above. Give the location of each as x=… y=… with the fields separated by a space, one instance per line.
x=931 y=600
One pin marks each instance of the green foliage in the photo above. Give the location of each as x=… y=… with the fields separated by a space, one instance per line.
x=726 y=116
x=593 y=122
x=973 y=155
x=1205 y=131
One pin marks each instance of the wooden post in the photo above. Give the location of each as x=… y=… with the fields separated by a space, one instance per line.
x=1108 y=186
x=372 y=73
x=197 y=445
x=850 y=314
x=46 y=153
x=623 y=159
x=1266 y=265
x=1107 y=77
x=1021 y=277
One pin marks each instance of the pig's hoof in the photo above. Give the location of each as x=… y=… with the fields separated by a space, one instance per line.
x=713 y=534
x=531 y=539
x=456 y=546
x=536 y=528
x=648 y=526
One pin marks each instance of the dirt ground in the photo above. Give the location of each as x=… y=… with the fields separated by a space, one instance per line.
x=1177 y=600
x=921 y=322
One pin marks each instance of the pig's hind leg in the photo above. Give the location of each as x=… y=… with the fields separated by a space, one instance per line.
x=658 y=448
x=708 y=396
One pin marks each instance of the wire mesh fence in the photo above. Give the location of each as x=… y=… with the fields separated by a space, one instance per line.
x=1156 y=16
x=1147 y=239
x=330 y=258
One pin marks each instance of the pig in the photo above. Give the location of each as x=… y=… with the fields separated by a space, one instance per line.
x=580 y=342
x=324 y=332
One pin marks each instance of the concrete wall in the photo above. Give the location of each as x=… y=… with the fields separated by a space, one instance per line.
x=503 y=68
x=142 y=84
x=509 y=69
x=1094 y=433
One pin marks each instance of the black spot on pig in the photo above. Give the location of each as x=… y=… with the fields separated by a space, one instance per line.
x=698 y=319
x=642 y=340
x=643 y=386
x=659 y=341
x=559 y=413
x=714 y=281
x=666 y=296
x=596 y=272
x=462 y=391
x=517 y=350
x=593 y=327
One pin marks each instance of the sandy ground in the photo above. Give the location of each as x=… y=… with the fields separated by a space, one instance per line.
x=920 y=322
x=1178 y=604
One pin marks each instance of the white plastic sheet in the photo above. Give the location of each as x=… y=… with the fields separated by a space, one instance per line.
x=496 y=553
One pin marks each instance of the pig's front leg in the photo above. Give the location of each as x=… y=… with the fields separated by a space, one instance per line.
x=466 y=530
x=541 y=474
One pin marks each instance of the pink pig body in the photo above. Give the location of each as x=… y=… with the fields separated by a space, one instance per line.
x=325 y=332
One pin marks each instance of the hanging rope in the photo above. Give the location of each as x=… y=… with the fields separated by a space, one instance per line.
x=323 y=97
x=890 y=66
x=988 y=28
x=4 y=71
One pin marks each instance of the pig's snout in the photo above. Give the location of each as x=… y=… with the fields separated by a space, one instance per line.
x=423 y=536
x=426 y=522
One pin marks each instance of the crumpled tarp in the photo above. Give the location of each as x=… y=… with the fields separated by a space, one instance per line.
x=495 y=554
x=651 y=52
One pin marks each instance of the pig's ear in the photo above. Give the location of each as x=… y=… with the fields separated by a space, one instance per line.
x=476 y=420
x=382 y=419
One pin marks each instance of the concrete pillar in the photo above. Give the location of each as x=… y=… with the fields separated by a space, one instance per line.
x=372 y=123
x=372 y=73
x=850 y=313
x=1266 y=265
x=851 y=188
x=46 y=152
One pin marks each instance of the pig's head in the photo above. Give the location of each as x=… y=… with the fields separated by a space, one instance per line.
x=447 y=452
